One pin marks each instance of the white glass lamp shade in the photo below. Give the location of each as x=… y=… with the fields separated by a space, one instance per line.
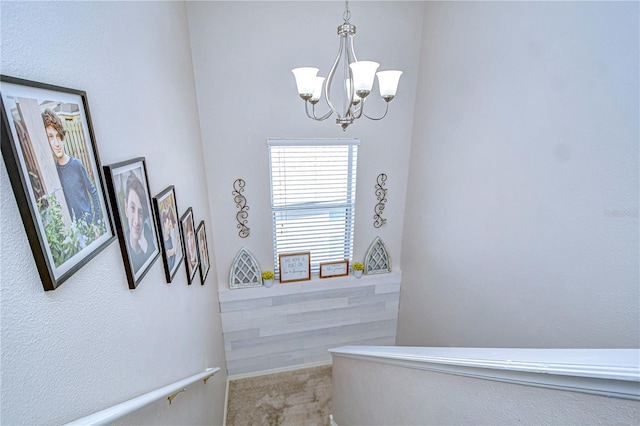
x=388 y=83
x=356 y=98
x=305 y=80
x=317 y=89
x=364 y=72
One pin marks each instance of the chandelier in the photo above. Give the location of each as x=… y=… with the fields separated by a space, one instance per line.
x=357 y=81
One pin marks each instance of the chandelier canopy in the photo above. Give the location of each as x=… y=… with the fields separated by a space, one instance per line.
x=357 y=81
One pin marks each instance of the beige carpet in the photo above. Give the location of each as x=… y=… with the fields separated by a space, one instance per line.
x=300 y=397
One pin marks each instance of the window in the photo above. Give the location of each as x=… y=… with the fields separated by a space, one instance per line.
x=313 y=197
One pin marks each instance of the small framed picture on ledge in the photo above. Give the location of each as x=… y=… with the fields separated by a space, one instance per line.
x=294 y=267
x=339 y=268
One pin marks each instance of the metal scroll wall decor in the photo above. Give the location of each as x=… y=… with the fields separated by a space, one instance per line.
x=241 y=203
x=381 y=193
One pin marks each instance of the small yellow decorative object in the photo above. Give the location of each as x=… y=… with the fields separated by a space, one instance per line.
x=268 y=275
x=173 y=395
x=357 y=266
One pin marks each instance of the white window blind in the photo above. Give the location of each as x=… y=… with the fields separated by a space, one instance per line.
x=313 y=194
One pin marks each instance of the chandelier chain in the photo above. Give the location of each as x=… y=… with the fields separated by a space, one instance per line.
x=347 y=13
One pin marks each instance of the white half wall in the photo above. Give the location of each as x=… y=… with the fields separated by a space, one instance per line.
x=93 y=343
x=484 y=386
x=521 y=220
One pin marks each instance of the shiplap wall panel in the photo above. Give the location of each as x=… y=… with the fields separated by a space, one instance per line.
x=290 y=325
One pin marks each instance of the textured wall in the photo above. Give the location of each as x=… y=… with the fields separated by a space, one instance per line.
x=521 y=224
x=93 y=343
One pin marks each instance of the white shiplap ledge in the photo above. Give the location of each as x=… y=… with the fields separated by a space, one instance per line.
x=608 y=372
x=295 y=324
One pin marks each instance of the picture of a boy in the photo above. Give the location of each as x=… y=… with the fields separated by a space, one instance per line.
x=80 y=193
x=139 y=237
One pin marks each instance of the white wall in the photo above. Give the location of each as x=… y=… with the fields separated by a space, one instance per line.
x=521 y=223
x=243 y=55
x=93 y=343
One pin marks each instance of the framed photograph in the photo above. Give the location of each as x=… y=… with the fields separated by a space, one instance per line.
x=187 y=226
x=166 y=210
x=339 y=268
x=129 y=191
x=49 y=148
x=203 y=251
x=294 y=267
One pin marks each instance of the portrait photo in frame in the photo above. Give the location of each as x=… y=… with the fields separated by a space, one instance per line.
x=129 y=193
x=49 y=148
x=166 y=210
x=203 y=251
x=187 y=226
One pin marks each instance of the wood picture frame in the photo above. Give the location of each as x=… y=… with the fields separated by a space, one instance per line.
x=49 y=148
x=187 y=227
x=294 y=267
x=203 y=251
x=166 y=211
x=339 y=268
x=135 y=224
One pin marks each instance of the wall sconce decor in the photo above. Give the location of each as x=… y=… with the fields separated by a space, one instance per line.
x=381 y=193
x=241 y=203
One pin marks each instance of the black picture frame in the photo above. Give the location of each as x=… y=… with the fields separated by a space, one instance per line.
x=203 y=251
x=58 y=185
x=128 y=188
x=192 y=261
x=166 y=210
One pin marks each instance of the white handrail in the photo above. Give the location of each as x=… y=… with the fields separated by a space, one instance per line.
x=610 y=372
x=118 y=411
